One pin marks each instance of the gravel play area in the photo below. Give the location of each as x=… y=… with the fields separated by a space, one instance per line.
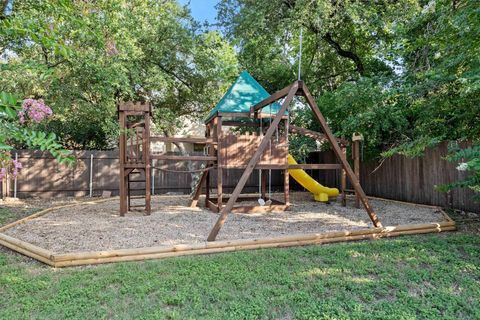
x=95 y=227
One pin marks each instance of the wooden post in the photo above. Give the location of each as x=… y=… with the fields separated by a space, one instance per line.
x=338 y=152
x=343 y=178
x=122 y=153
x=146 y=160
x=262 y=173
x=286 y=174
x=219 y=136
x=356 y=168
x=211 y=152
x=286 y=187
x=252 y=163
x=356 y=162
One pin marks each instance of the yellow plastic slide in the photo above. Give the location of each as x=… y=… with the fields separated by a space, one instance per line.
x=320 y=192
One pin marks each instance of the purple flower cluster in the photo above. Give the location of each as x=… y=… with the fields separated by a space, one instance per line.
x=14 y=166
x=35 y=110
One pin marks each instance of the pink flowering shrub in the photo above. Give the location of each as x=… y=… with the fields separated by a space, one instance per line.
x=34 y=110
x=14 y=128
x=9 y=166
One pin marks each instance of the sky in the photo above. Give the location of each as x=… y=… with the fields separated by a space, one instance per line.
x=202 y=9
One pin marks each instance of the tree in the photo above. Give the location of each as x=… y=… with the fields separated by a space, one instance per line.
x=83 y=57
x=403 y=73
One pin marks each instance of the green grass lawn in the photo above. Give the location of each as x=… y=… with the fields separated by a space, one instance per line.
x=431 y=276
x=6 y=215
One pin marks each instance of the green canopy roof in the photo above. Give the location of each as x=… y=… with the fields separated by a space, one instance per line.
x=242 y=94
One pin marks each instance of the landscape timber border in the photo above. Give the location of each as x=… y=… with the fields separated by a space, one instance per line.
x=58 y=260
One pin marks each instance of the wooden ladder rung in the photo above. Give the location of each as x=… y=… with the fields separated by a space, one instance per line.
x=137 y=197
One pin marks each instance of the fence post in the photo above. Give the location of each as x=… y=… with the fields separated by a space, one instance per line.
x=91 y=175
x=153 y=179
x=15 y=181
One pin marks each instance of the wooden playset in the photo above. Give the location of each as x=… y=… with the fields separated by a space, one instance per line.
x=262 y=146
x=248 y=106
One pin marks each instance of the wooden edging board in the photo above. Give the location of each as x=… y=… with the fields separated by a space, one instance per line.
x=137 y=254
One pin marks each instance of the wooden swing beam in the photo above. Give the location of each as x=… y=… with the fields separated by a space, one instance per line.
x=297 y=88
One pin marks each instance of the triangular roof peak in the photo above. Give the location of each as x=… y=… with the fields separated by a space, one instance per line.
x=244 y=93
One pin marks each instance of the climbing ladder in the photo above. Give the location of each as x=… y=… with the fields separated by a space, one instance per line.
x=134 y=155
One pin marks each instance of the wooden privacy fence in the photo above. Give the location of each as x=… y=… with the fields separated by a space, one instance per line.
x=42 y=176
x=398 y=178
x=408 y=179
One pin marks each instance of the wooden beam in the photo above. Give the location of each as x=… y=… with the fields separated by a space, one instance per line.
x=211 y=152
x=343 y=180
x=83 y=258
x=209 y=122
x=338 y=152
x=240 y=124
x=27 y=249
x=286 y=187
x=259 y=209
x=219 y=139
x=274 y=97
x=132 y=106
x=286 y=173
x=314 y=134
x=182 y=158
x=212 y=206
x=182 y=139
x=258 y=166
x=356 y=167
x=198 y=190
x=234 y=114
x=318 y=166
x=252 y=163
x=241 y=198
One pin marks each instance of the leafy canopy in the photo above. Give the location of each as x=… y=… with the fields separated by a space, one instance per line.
x=83 y=57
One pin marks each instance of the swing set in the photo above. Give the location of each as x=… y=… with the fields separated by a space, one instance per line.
x=264 y=147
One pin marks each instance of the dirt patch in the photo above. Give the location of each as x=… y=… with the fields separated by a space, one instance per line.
x=88 y=227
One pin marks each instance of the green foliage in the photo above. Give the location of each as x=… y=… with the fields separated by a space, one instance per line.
x=405 y=74
x=13 y=133
x=441 y=83
x=83 y=57
x=426 y=277
x=468 y=160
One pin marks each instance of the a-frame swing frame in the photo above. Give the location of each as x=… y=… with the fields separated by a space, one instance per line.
x=298 y=88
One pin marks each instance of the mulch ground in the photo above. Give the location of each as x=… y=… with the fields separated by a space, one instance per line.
x=94 y=227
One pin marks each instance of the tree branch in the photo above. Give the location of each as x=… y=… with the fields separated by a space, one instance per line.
x=345 y=53
x=334 y=75
x=173 y=74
